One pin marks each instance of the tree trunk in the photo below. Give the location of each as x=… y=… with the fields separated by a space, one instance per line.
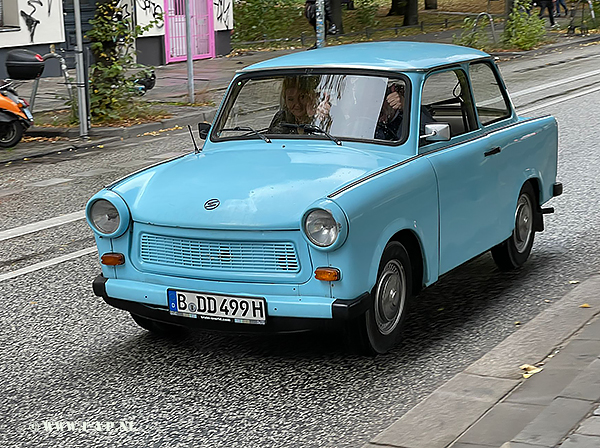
x=398 y=8
x=411 y=16
x=430 y=4
x=336 y=13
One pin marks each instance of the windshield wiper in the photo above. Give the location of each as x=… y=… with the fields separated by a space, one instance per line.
x=251 y=130
x=312 y=129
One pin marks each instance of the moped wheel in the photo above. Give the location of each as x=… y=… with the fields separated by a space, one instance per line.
x=10 y=133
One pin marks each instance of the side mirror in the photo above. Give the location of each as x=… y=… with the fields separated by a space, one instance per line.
x=203 y=129
x=437 y=132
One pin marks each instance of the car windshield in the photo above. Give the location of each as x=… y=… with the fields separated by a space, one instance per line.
x=327 y=105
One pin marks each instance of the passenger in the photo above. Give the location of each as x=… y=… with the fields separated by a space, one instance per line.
x=389 y=124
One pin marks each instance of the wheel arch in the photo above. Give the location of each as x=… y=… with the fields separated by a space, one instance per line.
x=538 y=223
x=413 y=246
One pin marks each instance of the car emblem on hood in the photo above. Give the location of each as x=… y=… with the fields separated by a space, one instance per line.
x=211 y=204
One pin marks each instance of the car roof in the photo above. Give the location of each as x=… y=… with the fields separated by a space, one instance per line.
x=401 y=56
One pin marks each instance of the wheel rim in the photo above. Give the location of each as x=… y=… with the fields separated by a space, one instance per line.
x=390 y=297
x=523 y=223
x=7 y=132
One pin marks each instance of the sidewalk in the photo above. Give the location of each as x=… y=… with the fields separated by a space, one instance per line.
x=211 y=78
x=490 y=404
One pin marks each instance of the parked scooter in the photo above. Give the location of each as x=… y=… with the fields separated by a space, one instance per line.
x=15 y=116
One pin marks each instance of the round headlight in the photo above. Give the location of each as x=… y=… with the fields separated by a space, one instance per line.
x=321 y=228
x=104 y=217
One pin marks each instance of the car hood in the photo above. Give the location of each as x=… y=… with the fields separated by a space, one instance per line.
x=264 y=186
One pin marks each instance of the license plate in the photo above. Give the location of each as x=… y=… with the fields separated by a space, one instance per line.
x=26 y=110
x=240 y=310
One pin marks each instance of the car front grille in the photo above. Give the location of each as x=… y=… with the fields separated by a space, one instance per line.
x=266 y=257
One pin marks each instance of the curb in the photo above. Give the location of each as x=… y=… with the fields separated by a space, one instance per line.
x=454 y=407
x=561 y=45
x=31 y=154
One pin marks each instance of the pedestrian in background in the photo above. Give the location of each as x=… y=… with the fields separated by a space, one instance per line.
x=310 y=12
x=562 y=3
x=549 y=5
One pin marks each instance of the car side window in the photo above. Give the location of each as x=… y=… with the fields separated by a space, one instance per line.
x=490 y=102
x=446 y=98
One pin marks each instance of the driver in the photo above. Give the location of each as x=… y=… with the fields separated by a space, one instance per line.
x=298 y=102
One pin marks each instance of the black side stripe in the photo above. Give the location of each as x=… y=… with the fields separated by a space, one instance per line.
x=396 y=165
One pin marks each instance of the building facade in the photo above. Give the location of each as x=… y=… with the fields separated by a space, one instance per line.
x=38 y=24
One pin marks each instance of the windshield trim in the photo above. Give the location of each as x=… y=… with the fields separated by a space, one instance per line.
x=268 y=73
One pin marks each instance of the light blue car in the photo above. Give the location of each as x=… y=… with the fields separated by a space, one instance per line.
x=333 y=186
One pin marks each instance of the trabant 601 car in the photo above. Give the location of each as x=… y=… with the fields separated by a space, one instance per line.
x=332 y=187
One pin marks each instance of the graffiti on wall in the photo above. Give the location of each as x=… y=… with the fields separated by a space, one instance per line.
x=223 y=14
x=153 y=10
x=30 y=21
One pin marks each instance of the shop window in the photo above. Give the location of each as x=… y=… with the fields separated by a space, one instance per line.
x=9 y=15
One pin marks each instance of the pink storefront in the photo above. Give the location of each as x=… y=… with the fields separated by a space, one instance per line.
x=211 y=21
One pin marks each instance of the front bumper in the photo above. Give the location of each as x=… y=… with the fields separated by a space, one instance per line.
x=341 y=312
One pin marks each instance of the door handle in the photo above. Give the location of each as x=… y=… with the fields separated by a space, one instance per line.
x=492 y=151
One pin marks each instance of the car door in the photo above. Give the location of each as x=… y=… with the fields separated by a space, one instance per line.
x=494 y=112
x=466 y=171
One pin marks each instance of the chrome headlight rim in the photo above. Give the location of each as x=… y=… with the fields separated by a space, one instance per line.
x=341 y=222
x=118 y=203
x=332 y=224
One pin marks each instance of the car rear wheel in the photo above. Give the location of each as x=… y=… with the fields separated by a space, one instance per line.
x=378 y=330
x=515 y=250
x=10 y=133
x=158 y=328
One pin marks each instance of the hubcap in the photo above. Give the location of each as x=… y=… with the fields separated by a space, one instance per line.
x=390 y=296
x=523 y=223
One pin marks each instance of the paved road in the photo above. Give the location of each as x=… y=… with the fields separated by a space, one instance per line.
x=67 y=357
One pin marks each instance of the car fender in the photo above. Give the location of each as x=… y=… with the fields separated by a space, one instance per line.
x=403 y=198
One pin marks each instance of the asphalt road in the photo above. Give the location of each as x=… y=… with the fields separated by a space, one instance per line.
x=67 y=357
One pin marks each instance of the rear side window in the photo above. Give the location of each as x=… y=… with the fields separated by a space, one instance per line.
x=446 y=99
x=490 y=103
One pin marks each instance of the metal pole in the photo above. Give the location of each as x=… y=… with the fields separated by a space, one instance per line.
x=80 y=74
x=320 y=23
x=190 y=55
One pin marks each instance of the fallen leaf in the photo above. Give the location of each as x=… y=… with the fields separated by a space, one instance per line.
x=530 y=370
x=100 y=146
x=585 y=305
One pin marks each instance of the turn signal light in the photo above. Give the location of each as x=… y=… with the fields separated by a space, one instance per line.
x=112 y=259
x=328 y=274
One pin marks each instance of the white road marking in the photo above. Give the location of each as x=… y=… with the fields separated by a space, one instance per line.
x=50 y=182
x=41 y=225
x=554 y=84
x=47 y=263
x=558 y=100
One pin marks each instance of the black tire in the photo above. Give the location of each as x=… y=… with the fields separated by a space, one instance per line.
x=10 y=133
x=158 y=328
x=514 y=251
x=379 y=329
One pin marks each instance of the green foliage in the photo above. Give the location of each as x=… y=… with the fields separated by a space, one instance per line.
x=522 y=30
x=112 y=87
x=365 y=12
x=256 y=19
x=471 y=35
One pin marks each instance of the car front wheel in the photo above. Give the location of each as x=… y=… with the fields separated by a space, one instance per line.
x=378 y=330
x=515 y=250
